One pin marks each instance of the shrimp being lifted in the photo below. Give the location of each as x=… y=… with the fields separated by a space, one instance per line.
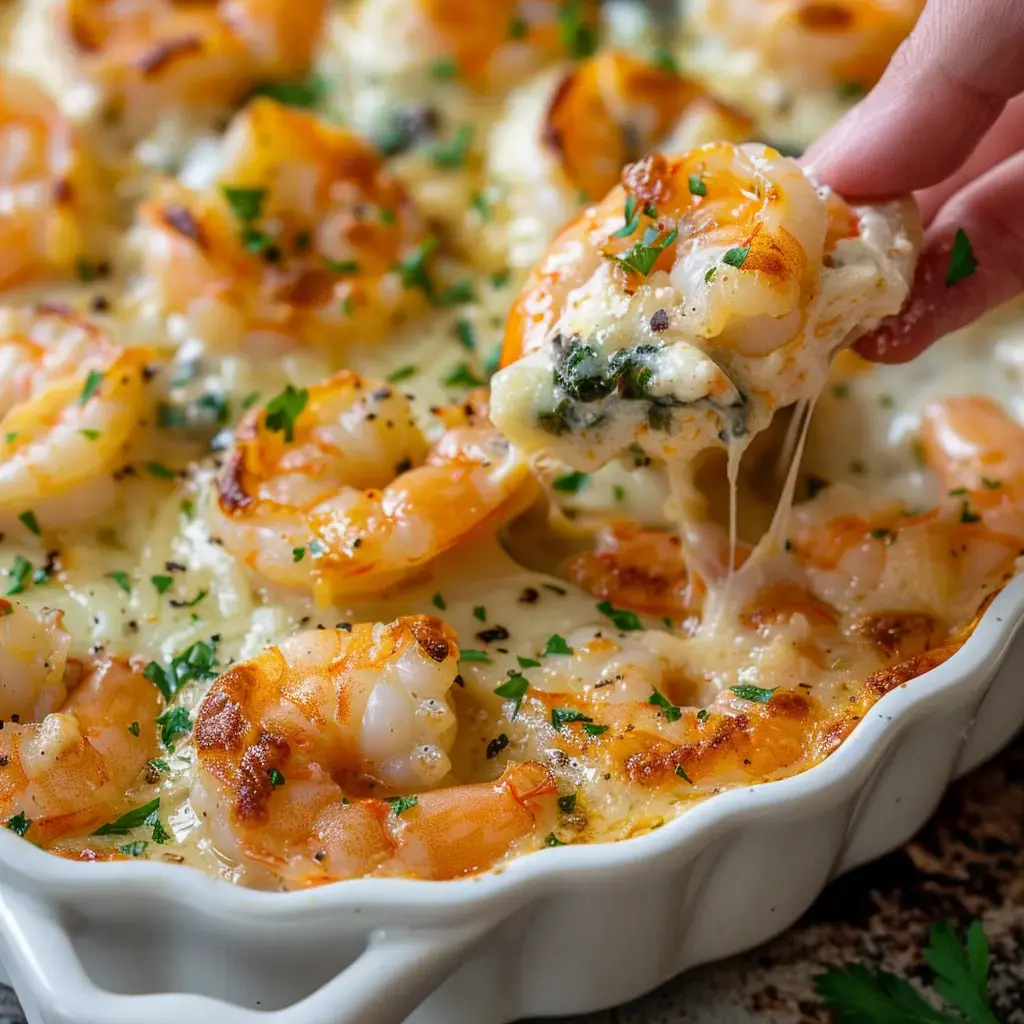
x=345 y=495
x=704 y=293
x=281 y=739
x=71 y=402
x=151 y=56
x=67 y=761
x=304 y=237
x=51 y=201
x=566 y=136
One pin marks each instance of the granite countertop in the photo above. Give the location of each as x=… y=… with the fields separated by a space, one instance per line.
x=968 y=862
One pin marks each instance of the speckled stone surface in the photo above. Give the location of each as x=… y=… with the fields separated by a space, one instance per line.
x=968 y=862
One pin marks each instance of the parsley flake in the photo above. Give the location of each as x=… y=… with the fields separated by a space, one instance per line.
x=736 y=257
x=567 y=804
x=681 y=772
x=468 y=654
x=563 y=716
x=756 y=694
x=556 y=645
x=659 y=700
x=284 y=409
x=123 y=580
x=19 y=824
x=401 y=804
x=173 y=723
x=697 y=186
x=161 y=583
x=276 y=778
x=130 y=820
x=570 y=483
x=28 y=520
x=91 y=386
x=962 y=261
x=514 y=689
x=594 y=730
x=622 y=617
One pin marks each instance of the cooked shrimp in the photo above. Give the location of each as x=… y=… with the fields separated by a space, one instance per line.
x=51 y=202
x=290 y=744
x=33 y=657
x=71 y=402
x=490 y=46
x=151 y=56
x=304 y=237
x=843 y=43
x=704 y=293
x=67 y=770
x=942 y=560
x=348 y=499
x=566 y=136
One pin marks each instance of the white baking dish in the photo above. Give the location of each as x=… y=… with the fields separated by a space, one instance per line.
x=566 y=930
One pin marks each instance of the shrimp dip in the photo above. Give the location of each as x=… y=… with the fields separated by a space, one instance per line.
x=430 y=433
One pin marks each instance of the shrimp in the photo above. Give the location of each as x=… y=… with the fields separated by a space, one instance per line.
x=303 y=238
x=350 y=499
x=51 y=200
x=566 y=136
x=290 y=744
x=66 y=761
x=71 y=402
x=704 y=293
x=149 y=57
x=489 y=46
x=942 y=560
x=816 y=43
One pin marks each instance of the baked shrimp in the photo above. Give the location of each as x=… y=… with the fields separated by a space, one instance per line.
x=941 y=560
x=336 y=488
x=702 y=294
x=51 y=202
x=566 y=136
x=488 y=46
x=303 y=238
x=71 y=403
x=77 y=733
x=149 y=57
x=298 y=748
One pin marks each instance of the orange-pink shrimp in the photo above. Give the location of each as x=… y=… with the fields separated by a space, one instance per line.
x=152 y=56
x=305 y=237
x=291 y=744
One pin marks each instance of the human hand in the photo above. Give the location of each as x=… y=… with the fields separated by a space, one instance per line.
x=946 y=121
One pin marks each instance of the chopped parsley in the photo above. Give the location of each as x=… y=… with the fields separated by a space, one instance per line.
x=303 y=95
x=401 y=804
x=594 y=730
x=527 y=662
x=563 y=716
x=161 y=583
x=991 y=484
x=250 y=399
x=461 y=375
x=413 y=268
x=556 y=645
x=130 y=820
x=445 y=69
x=134 y=728
x=641 y=257
x=91 y=386
x=173 y=723
x=703 y=715
x=438 y=602
x=663 y=60
x=514 y=689
x=298 y=554
x=136 y=849
x=194 y=664
x=571 y=483
x=962 y=261
x=246 y=203
x=575 y=30
x=619 y=492
x=341 y=266
x=552 y=840
x=480 y=613
x=468 y=654
x=659 y=700
x=402 y=373
x=19 y=824
x=567 y=804
x=464 y=332
x=631 y=216
x=736 y=257
x=123 y=580
x=756 y=694
x=966 y=515
x=681 y=772
x=456 y=294
x=451 y=153
x=622 y=617
x=697 y=186
x=159 y=470
x=711 y=274
x=284 y=409
x=276 y=778
x=18 y=572
x=28 y=520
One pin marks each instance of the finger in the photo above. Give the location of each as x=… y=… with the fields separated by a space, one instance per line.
x=936 y=307
x=1005 y=138
x=943 y=90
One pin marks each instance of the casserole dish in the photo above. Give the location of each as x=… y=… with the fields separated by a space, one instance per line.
x=567 y=931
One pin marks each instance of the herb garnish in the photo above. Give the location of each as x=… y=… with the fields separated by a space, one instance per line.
x=276 y=778
x=962 y=261
x=563 y=716
x=570 y=483
x=736 y=257
x=28 y=520
x=194 y=664
x=594 y=730
x=413 y=268
x=89 y=388
x=451 y=153
x=129 y=821
x=173 y=723
x=514 y=689
x=577 y=34
x=18 y=572
x=122 y=579
x=401 y=804
x=556 y=645
x=659 y=700
x=757 y=694
x=461 y=375
x=681 y=772
x=622 y=617
x=469 y=654
x=19 y=824
x=294 y=94
x=641 y=257
x=697 y=186
x=284 y=409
